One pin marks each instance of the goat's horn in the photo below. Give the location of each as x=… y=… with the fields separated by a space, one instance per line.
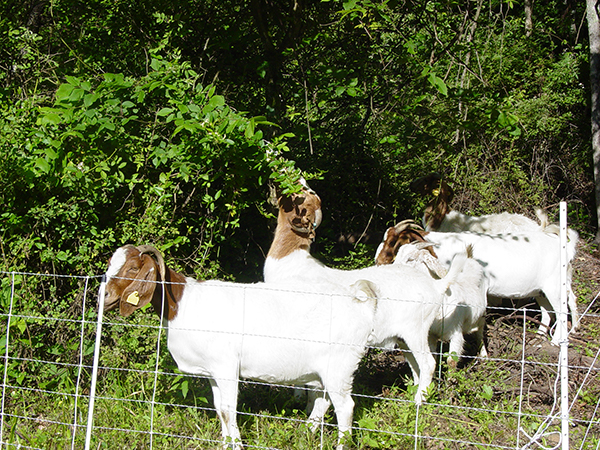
x=318 y=218
x=408 y=223
x=423 y=245
x=151 y=250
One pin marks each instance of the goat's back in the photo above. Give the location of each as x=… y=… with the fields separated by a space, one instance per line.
x=273 y=334
x=515 y=265
x=500 y=223
x=406 y=296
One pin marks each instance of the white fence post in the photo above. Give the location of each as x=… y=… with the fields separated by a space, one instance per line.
x=5 y=377
x=90 y=420
x=562 y=329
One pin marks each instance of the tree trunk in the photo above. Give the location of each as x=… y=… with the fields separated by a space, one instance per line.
x=528 y=17
x=594 y=32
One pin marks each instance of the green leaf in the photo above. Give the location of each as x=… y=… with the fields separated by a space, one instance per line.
x=62 y=256
x=49 y=118
x=42 y=165
x=488 y=392
x=438 y=83
x=164 y=112
x=89 y=99
x=63 y=92
x=184 y=388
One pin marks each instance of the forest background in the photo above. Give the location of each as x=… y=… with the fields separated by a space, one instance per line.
x=167 y=122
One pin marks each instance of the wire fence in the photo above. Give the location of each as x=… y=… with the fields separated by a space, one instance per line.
x=58 y=392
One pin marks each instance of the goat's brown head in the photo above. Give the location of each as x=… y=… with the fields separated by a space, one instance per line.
x=302 y=212
x=132 y=276
x=437 y=208
x=402 y=233
x=432 y=184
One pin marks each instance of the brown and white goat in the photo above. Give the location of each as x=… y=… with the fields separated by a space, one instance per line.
x=438 y=215
x=517 y=265
x=294 y=334
x=464 y=305
x=408 y=301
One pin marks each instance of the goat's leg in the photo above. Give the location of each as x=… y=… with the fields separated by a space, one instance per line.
x=412 y=362
x=425 y=362
x=573 y=308
x=318 y=404
x=457 y=342
x=479 y=338
x=549 y=301
x=344 y=408
x=545 y=322
x=225 y=393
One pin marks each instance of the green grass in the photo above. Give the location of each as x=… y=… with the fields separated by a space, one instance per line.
x=462 y=414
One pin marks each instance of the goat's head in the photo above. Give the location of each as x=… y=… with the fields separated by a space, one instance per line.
x=437 y=208
x=402 y=233
x=301 y=211
x=432 y=184
x=132 y=275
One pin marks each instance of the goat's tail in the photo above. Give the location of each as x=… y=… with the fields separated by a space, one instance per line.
x=572 y=240
x=456 y=268
x=542 y=217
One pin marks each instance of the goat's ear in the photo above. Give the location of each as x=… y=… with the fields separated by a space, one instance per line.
x=446 y=190
x=274 y=194
x=140 y=291
x=286 y=202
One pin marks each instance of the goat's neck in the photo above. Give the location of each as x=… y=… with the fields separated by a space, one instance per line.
x=173 y=291
x=287 y=241
x=435 y=213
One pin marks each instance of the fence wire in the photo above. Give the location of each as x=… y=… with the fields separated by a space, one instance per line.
x=58 y=392
x=510 y=400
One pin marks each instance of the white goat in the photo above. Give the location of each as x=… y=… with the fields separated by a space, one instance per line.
x=225 y=331
x=464 y=305
x=519 y=265
x=408 y=300
x=439 y=216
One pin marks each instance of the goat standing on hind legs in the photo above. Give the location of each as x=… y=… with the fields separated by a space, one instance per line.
x=408 y=300
x=295 y=334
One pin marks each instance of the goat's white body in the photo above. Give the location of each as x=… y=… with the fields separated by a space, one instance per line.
x=518 y=265
x=408 y=303
x=464 y=303
x=251 y=323
x=227 y=331
x=500 y=223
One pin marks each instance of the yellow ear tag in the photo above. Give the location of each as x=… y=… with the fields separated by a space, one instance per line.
x=435 y=192
x=134 y=298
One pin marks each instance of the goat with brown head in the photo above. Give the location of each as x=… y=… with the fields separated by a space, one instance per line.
x=228 y=331
x=133 y=276
x=402 y=233
x=439 y=206
x=300 y=213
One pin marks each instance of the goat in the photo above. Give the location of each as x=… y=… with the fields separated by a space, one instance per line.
x=438 y=215
x=408 y=300
x=463 y=309
x=225 y=330
x=518 y=265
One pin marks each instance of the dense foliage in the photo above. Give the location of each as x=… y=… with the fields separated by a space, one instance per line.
x=164 y=121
